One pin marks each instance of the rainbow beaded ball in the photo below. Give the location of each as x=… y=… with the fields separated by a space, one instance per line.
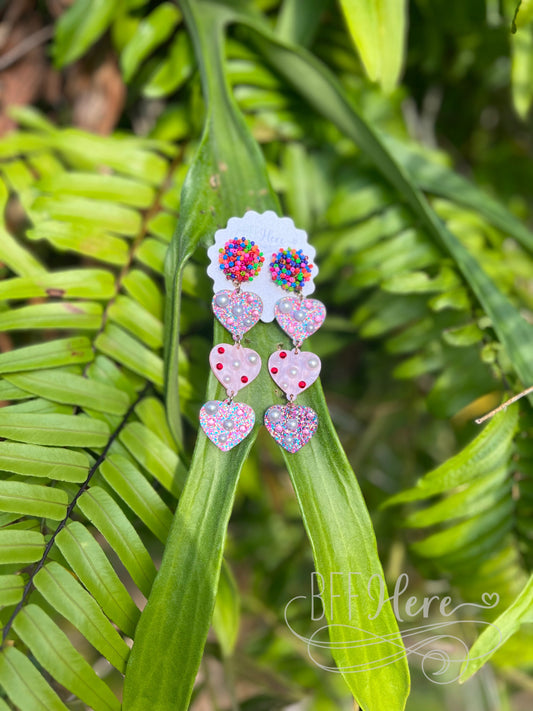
x=290 y=269
x=240 y=260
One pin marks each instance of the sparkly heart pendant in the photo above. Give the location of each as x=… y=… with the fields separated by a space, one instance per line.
x=292 y=426
x=234 y=366
x=237 y=311
x=294 y=371
x=299 y=318
x=226 y=424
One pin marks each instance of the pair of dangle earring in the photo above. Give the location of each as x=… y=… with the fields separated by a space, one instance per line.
x=291 y=425
x=225 y=422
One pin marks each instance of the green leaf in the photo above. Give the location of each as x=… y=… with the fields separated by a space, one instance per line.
x=125 y=349
x=53 y=650
x=26 y=688
x=50 y=462
x=132 y=487
x=20 y=546
x=84 y=238
x=114 y=188
x=74 y=283
x=105 y=214
x=502 y=628
x=96 y=573
x=136 y=319
x=103 y=511
x=378 y=29
x=83 y=316
x=151 y=32
x=71 y=600
x=152 y=253
x=152 y=413
x=47 y=355
x=155 y=456
x=61 y=430
x=18 y=259
x=11 y=589
x=33 y=500
x=72 y=389
x=226 y=615
x=521 y=68
x=80 y=26
x=523 y=14
x=145 y=292
x=173 y=71
x=484 y=454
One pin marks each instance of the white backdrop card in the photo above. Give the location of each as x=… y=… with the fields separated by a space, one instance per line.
x=270 y=233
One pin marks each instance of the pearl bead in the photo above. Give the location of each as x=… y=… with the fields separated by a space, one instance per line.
x=226 y=379
x=236 y=364
x=293 y=372
x=309 y=328
x=298 y=315
x=228 y=424
x=292 y=424
x=285 y=306
x=222 y=438
x=252 y=358
x=211 y=407
x=274 y=415
x=312 y=363
x=284 y=386
x=237 y=310
x=248 y=322
x=222 y=300
x=289 y=439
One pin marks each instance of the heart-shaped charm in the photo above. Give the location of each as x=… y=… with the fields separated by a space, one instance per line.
x=234 y=366
x=226 y=424
x=237 y=311
x=294 y=371
x=292 y=426
x=299 y=318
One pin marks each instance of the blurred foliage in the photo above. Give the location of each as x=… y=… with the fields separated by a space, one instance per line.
x=410 y=355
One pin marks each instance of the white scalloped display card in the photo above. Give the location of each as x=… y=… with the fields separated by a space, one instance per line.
x=270 y=233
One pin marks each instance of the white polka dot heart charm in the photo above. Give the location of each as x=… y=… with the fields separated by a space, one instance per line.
x=292 y=426
x=225 y=422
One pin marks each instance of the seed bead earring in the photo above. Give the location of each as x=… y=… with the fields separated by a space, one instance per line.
x=225 y=422
x=292 y=426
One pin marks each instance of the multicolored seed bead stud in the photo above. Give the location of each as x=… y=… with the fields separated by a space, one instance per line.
x=294 y=371
x=227 y=423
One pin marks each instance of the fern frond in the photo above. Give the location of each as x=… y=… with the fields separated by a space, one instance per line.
x=80 y=435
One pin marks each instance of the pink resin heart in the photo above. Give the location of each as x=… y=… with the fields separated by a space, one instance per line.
x=299 y=318
x=226 y=424
x=237 y=311
x=234 y=366
x=294 y=371
x=292 y=426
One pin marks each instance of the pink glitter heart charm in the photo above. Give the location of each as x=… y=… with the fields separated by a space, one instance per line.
x=299 y=318
x=294 y=371
x=292 y=426
x=234 y=366
x=237 y=311
x=226 y=424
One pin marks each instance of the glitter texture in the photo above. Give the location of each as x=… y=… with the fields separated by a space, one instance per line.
x=292 y=426
x=242 y=311
x=239 y=366
x=240 y=260
x=299 y=318
x=293 y=371
x=290 y=269
x=227 y=424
